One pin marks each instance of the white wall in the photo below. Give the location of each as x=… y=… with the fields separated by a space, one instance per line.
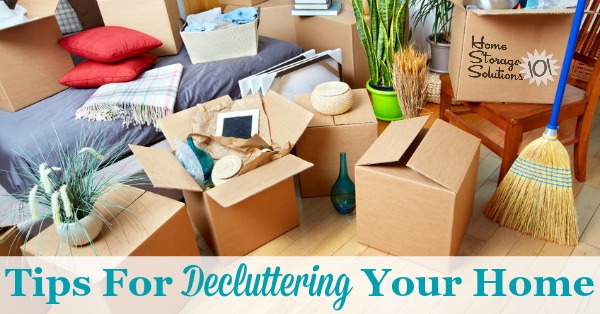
x=421 y=32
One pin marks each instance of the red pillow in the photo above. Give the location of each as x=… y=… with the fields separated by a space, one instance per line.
x=109 y=43
x=94 y=74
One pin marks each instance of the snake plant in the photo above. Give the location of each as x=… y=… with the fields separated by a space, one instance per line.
x=382 y=33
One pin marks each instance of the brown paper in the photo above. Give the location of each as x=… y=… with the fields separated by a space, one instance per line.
x=254 y=152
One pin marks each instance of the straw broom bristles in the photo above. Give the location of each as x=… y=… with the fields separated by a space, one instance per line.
x=409 y=76
x=536 y=195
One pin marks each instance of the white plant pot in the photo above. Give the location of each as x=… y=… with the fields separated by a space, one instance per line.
x=81 y=232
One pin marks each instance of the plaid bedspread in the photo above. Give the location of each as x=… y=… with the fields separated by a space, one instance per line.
x=141 y=101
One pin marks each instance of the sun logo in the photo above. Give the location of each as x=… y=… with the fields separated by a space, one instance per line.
x=539 y=68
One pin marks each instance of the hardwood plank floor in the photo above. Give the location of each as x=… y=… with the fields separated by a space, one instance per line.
x=323 y=232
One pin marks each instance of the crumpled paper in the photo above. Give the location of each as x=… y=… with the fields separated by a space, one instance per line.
x=254 y=152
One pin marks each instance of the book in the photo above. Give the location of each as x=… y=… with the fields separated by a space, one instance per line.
x=333 y=10
x=313 y=6
x=311 y=1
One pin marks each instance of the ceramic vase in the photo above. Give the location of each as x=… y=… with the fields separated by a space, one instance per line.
x=81 y=232
x=343 y=194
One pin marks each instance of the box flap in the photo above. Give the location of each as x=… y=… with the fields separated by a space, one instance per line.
x=257 y=180
x=287 y=120
x=361 y=111
x=393 y=142
x=179 y=125
x=39 y=8
x=163 y=169
x=318 y=118
x=445 y=154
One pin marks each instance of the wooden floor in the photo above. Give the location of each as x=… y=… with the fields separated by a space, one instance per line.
x=323 y=232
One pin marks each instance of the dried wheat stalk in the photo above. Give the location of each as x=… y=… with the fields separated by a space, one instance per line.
x=410 y=80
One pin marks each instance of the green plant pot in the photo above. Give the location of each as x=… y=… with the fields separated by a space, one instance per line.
x=385 y=103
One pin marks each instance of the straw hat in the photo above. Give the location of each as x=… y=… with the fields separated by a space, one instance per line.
x=225 y=169
x=332 y=98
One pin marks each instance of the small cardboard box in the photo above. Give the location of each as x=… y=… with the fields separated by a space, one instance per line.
x=32 y=60
x=326 y=136
x=330 y=32
x=415 y=188
x=507 y=55
x=249 y=210
x=11 y=240
x=276 y=20
x=157 y=18
x=152 y=225
x=241 y=3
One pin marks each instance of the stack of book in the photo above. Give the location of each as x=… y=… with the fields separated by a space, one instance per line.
x=316 y=7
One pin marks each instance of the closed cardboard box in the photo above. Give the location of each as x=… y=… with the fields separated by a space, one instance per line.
x=276 y=20
x=247 y=211
x=157 y=18
x=330 y=32
x=415 y=188
x=32 y=60
x=151 y=225
x=507 y=55
x=326 y=136
x=242 y=3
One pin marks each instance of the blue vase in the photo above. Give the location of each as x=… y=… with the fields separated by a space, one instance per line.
x=343 y=194
x=205 y=160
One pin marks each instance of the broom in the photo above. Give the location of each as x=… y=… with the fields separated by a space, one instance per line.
x=536 y=195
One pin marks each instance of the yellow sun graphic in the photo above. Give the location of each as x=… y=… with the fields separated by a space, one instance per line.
x=539 y=67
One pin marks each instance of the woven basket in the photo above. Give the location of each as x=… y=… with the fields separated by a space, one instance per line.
x=220 y=44
x=332 y=98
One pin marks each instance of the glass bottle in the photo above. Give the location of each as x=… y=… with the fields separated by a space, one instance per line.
x=343 y=195
x=206 y=162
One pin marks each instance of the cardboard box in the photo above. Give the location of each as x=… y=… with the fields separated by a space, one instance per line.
x=330 y=32
x=326 y=136
x=11 y=240
x=152 y=225
x=493 y=54
x=249 y=210
x=241 y=3
x=32 y=60
x=415 y=188
x=157 y=18
x=276 y=20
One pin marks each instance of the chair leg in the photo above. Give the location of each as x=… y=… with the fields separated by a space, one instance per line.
x=512 y=140
x=445 y=98
x=580 y=149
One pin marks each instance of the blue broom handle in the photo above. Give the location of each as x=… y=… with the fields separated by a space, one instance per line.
x=564 y=73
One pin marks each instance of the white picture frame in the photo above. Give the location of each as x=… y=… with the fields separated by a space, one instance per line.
x=223 y=117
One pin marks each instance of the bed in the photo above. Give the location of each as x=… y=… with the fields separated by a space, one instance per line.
x=40 y=125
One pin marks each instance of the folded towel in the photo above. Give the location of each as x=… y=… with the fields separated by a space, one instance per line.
x=141 y=101
x=240 y=16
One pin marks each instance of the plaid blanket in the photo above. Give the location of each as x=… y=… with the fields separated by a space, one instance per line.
x=141 y=101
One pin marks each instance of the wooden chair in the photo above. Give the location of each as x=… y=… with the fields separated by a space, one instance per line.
x=579 y=101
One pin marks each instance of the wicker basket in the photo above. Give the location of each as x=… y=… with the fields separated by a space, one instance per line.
x=220 y=44
x=332 y=98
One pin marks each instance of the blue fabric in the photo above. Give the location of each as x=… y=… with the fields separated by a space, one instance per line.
x=204 y=27
x=240 y=16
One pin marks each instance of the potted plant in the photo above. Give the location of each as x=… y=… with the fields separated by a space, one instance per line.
x=439 y=39
x=383 y=33
x=69 y=187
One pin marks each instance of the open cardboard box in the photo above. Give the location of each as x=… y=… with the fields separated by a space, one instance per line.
x=489 y=47
x=32 y=61
x=326 y=136
x=157 y=18
x=415 y=188
x=247 y=211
